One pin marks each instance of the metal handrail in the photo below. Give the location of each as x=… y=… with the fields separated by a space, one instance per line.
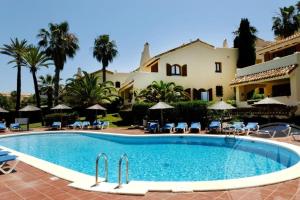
x=124 y=156
x=104 y=156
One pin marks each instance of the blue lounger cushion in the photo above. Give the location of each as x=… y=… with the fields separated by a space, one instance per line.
x=153 y=127
x=76 y=124
x=195 y=125
x=15 y=126
x=56 y=125
x=181 y=126
x=7 y=158
x=168 y=126
x=2 y=126
x=214 y=125
x=86 y=123
x=4 y=153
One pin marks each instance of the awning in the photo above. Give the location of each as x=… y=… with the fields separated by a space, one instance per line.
x=281 y=72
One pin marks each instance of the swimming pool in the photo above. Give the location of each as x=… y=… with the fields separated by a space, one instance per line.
x=158 y=158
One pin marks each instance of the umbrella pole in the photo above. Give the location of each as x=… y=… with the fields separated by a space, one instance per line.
x=222 y=122
x=61 y=119
x=161 y=117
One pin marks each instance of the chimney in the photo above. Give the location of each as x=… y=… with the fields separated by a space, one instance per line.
x=79 y=72
x=225 y=44
x=145 y=54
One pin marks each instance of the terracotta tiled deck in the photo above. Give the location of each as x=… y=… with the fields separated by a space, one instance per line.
x=30 y=183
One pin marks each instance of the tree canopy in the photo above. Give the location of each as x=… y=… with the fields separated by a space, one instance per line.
x=162 y=91
x=104 y=51
x=86 y=90
x=59 y=44
x=287 y=21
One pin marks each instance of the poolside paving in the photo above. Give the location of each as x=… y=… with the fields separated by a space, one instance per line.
x=30 y=183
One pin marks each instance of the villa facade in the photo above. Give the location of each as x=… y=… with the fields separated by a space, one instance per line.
x=277 y=75
x=202 y=69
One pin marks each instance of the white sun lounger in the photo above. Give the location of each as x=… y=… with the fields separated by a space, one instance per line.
x=4 y=168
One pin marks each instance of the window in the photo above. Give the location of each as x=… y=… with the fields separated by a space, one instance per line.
x=218 y=67
x=204 y=96
x=281 y=90
x=117 y=84
x=175 y=70
x=219 y=91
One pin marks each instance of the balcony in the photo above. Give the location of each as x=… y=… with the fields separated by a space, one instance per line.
x=272 y=64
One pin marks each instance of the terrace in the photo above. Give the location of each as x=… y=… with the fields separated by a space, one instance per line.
x=30 y=183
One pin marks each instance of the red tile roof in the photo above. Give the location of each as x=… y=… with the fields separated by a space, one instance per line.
x=272 y=73
x=296 y=35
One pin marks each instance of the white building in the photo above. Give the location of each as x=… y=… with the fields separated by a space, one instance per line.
x=202 y=69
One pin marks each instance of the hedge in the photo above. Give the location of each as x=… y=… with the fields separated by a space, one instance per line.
x=187 y=111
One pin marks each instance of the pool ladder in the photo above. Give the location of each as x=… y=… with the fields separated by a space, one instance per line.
x=104 y=156
x=124 y=156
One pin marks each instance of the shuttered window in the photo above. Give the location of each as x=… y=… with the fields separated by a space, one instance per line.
x=176 y=70
x=154 y=68
x=169 y=68
x=184 y=70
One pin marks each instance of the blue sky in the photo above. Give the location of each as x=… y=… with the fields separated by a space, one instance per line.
x=164 y=24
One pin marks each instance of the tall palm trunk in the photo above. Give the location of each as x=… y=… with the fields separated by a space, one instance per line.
x=104 y=73
x=56 y=85
x=49 y=98
x=36 y=89
x=18 y=102
x=37 y=94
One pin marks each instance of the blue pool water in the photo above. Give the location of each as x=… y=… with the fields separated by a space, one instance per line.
x=162 y=158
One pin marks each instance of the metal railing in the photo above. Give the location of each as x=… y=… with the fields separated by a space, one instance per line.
x=104 y=156
x=124 y=156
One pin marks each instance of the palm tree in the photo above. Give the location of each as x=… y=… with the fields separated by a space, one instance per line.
x=15 y=50
x=46 y=86
x=286 y=23
x=34 y=59
x=85 y=91
x=104 y=51
x=161 y=91
x=59 y=44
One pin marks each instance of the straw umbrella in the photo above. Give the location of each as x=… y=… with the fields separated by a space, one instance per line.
x=161 y=106
x=96 y=107
x=29 y=108
x=61 y=107
x=3 y=110
x=221 y=106
x=269 y=103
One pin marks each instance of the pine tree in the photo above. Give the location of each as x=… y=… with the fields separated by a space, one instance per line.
x=245 y=42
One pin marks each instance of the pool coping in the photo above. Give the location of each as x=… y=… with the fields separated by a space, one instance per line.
x=87 y=182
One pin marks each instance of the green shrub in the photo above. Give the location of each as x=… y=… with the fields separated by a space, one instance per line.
x=257 y=96
x=67 y=118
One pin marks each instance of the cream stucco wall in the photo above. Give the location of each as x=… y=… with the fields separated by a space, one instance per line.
x=113 y=76
x=200 y=59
